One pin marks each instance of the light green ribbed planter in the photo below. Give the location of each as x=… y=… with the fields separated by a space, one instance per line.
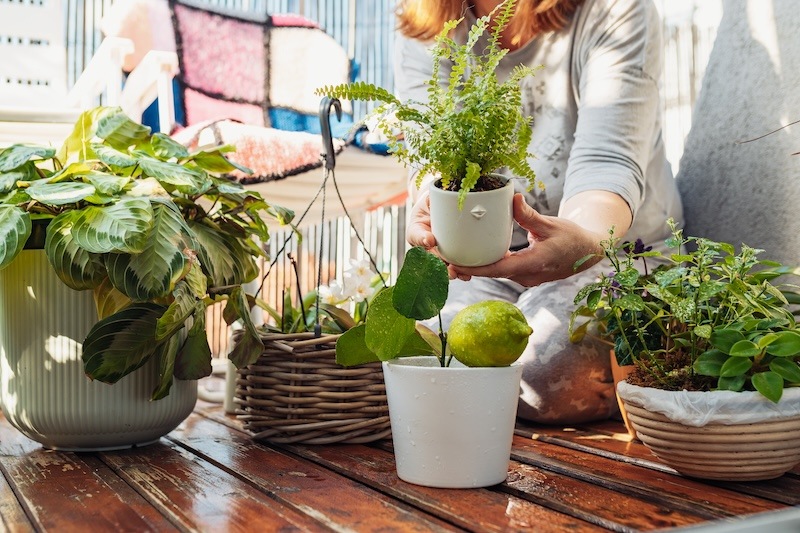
x=44 y=392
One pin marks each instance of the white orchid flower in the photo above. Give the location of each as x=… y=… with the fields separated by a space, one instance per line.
x=332 y=294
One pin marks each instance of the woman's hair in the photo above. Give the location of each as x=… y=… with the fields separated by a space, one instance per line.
x=424 y=19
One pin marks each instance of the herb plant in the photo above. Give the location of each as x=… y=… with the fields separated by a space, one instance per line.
x=712 y=318
x=147 y=226
x=467 y=129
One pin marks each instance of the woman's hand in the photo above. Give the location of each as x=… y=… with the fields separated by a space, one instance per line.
x=555 y=244
x=419 y=225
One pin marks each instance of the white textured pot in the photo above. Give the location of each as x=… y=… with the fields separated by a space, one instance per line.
x=480 y=233
x=451 y=427
x=720 y=435
x=44 y=392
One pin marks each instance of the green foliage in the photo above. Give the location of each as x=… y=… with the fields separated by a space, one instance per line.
x=151 y=228
x=708 y=319
x=471 y=125
x=390 y=329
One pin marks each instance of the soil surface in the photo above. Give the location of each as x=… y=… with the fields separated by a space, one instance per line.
x=485 y=183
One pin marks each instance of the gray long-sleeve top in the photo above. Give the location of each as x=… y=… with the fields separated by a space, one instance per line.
x=596 y=109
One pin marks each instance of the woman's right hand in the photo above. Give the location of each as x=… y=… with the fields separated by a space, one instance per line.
x=419 y=226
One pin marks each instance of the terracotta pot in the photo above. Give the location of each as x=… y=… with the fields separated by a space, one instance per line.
x=728 y=452
x=621 y=373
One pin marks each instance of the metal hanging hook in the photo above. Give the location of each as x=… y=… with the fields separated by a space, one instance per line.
x=325 y=126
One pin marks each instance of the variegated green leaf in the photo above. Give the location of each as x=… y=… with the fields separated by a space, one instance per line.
x=197 y=281
x=223 y=258
x=249 y=346
x=69 y=172
x=76 y=146
x=177 y=313
x=76 y=267
x=121 y=132
x=15 y=227
x=194 y=358
x=113 y=157
x=217 y=163
x=108 y=183
x=153 y=272
x=166 y=147
x=68 y=192
x=109 y=300
x=8 y=180
x=121 y=343
x=166 y=353
x=121 y=227
x=185 y=180
x=17 y=155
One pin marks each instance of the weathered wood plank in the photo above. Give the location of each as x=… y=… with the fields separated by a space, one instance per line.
x=784 y=490
x=65 y=491
x=664 y=490
x=198 y=496
x=12 y=515
x=337 y=501
x=473 y=510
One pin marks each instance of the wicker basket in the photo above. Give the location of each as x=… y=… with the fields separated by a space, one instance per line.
x=296 y=393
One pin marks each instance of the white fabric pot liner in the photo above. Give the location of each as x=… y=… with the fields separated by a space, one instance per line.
x=697 y=409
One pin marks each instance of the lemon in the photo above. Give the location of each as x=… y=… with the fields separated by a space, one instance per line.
x=489 y=333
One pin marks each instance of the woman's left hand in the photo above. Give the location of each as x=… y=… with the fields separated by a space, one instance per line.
x=555 y=245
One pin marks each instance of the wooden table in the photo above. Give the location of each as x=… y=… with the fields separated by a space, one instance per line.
x=208 y=475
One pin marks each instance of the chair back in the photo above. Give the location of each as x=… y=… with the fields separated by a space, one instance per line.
x=739 y=185
x=259 y=69
x=33 y=69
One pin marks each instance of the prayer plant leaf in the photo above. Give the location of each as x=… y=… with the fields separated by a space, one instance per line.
x=15 y=227
x=122 y=342
x=120 y=227
x=161 y=263
x=73 y=265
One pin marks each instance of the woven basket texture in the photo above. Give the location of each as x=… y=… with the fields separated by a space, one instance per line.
x=296 y=393
x=744 y=452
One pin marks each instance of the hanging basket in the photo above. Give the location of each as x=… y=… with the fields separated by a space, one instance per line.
x=296 y=393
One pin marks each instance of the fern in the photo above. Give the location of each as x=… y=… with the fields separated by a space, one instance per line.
x=472 y=124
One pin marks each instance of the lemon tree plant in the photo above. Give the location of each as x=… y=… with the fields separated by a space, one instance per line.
x=151 y=229
x=491 y=333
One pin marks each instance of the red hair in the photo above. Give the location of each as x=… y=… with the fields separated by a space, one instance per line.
x=424 y=19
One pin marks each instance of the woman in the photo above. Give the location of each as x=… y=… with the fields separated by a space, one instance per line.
x=600 y=155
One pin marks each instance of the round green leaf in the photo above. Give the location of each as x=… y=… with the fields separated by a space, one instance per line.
x=422 y=285
x=786 y=344
x=788 y=369
x=769 y=384
x=735 y=366
x=745 y=348
x=387 y=331
x=710 y=363
x=724 y=339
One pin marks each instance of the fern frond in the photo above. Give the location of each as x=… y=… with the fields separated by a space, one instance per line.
x=359 y=90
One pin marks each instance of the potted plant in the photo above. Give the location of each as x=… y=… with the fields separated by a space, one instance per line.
x=112 y=249
x=716 y=350
x=467 y=130
x=452 y=395
x=296 y=392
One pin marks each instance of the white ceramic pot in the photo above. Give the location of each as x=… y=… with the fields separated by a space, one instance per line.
x=451 y=427
x=480 y=233
x=43 y=389
x=720 y=435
